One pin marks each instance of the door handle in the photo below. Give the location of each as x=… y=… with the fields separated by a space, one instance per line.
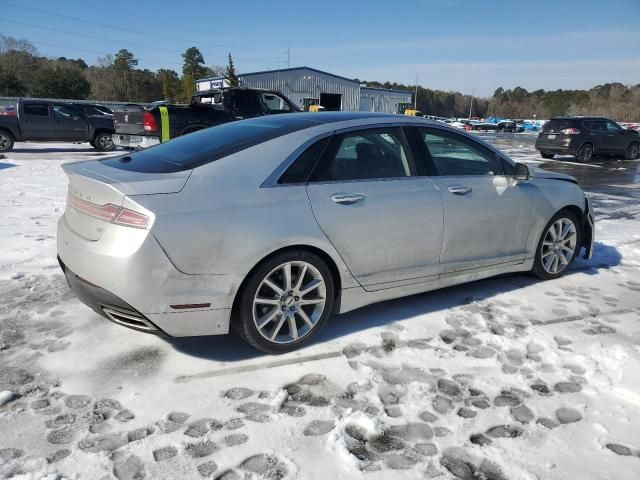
x=458 y=190
x=347 y=198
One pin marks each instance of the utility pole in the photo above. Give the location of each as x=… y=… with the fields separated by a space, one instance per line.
x=471 y=105
x=415 y=97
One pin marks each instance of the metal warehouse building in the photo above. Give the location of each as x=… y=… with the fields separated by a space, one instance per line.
x=307 y=86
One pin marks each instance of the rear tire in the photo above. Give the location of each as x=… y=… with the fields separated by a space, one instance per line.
x=633 y=151
x=556 y=244
x=585 y=154
x=284 y=302
x=6 y=141
x=103 y=142
x=546 y=155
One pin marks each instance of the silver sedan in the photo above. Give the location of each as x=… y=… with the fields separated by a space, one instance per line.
x=269 y=225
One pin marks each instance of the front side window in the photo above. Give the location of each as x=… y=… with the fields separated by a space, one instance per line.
x=613 y=127
x=275 y=103
x=62 y=111
x=37 y=110
x=453 y=154
x=366 y=154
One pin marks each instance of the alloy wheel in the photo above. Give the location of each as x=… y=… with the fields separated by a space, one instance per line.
x=4 y=142
x=289 y=302
x=585 y=154
x=105 y=142
x=559 y=246
x=633 y=152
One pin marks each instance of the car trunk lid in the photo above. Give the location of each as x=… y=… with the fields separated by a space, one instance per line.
x=97 y=192
x=553 y=131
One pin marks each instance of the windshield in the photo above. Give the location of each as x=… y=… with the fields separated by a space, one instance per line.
x=205 y=146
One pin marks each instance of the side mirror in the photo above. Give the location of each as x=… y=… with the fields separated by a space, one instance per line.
x=521 y=172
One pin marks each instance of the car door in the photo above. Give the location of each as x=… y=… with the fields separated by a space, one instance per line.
x=617 y=139
x=487 y=213
x=596 y=133
x=69 y=123
x=36 y=121
x=383 y=218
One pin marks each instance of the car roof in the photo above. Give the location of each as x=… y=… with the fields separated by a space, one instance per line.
x=303 y=120
x=579 y=117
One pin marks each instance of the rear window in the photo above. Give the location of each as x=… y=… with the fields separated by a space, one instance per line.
x=208 y=145
x=558 y=125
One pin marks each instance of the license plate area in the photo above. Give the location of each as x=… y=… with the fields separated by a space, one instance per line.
x=551 y=137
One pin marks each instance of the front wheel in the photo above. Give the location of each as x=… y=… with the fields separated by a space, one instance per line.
x=633 y=151
x=558 y=247
x=546 y=155
x=103 y=142
x=285 y=302
x=585 y=154
x=6 y=141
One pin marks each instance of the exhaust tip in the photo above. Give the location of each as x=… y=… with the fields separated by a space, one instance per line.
x=129 y=319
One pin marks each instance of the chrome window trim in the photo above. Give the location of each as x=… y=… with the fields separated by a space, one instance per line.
x=272 y=180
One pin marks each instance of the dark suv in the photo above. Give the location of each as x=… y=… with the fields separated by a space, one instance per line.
x=584 y=137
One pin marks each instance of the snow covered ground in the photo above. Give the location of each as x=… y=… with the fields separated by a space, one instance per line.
x=509 y=378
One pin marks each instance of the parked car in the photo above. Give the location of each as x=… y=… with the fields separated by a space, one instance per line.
x=584 y=137
x=507 y=126
x=269 y=225
x=140 y=127
x=37 y=120
x=92 y=109
x=482 y=126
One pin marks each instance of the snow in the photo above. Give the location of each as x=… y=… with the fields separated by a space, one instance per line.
x=510 y=378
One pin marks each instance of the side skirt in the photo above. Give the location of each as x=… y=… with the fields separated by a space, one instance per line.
x=352 y=298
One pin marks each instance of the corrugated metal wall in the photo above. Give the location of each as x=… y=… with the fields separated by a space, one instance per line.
x=305 y=83
x=380 y=100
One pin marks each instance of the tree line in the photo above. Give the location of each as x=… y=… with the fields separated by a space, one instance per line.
x=613 y=100
x=26 y=73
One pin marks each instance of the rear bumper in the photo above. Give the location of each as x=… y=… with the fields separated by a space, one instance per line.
x=568 y=146
x=106 y=304
x=134 y=141
x=139 y=280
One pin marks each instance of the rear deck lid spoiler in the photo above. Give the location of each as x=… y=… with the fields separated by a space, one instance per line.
x=124 y=181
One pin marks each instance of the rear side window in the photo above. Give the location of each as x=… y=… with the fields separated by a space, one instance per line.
x=364 y=154
x=36 y=110
x=300 y=169
x=247 y=101
x=205 y=146
x=595 y=125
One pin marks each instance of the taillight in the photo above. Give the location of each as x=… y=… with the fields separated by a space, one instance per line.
x=149 y=122
x=109 y=212
x=570 y=131
x=130 y=218
x=8 y=113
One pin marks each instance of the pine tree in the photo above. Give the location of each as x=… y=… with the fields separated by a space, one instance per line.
x=192 y=69
x=230 y=73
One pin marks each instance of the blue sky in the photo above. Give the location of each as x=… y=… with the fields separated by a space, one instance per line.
x=464 y=45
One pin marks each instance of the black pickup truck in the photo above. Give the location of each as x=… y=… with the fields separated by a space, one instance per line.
x=137 y=126
x=47 y=121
